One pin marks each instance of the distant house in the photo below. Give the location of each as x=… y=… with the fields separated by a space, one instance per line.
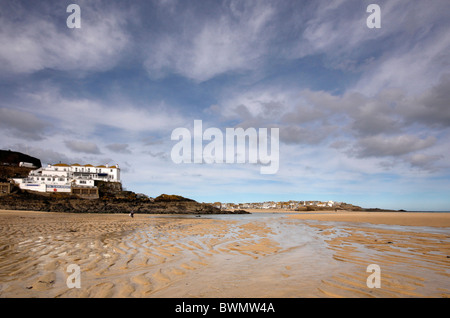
x=218 y=205
x=269 y=205
x=26 y=164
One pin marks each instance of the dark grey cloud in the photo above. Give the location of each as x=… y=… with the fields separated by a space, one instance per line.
x=424 y=161
x=431 y=108
x=374 y=121
x=382 y=146
x=46 y=155
x=291 y=134
x=120 y=148
x=23 y=124
x=82 y=146
x=362 y=115
x=303 y=114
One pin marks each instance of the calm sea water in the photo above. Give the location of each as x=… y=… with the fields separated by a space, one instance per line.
x=279 y=217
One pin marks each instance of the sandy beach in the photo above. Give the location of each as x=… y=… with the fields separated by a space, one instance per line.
x=323 y=254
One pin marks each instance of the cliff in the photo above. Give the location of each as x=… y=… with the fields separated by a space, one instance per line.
x=13 y=158
x=22 y=200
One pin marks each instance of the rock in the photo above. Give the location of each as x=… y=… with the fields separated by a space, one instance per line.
x=69 y=203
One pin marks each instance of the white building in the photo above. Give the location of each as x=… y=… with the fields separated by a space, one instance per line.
x=61 y=177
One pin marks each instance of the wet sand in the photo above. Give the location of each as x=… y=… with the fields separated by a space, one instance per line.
x=258 y=255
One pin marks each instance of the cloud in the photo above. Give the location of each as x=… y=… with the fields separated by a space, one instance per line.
x=381 y=146
x=120 y=113
x=413 y=50
x=431 y=108
x=46 y=155
x=82 y=146
x=379 y=127
x=120 y=148
x=424 y=161
x=301 y=135
x=35 y=37
x=23 y=124
x=362 y=115
x=161 y=155
x=200 y=47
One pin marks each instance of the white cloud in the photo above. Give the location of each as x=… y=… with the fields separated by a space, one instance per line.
x=31 y=41
x=234 y=40
x=416 y=48
x=84 y=116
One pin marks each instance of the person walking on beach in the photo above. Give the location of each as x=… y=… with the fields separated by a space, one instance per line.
x=132 y=214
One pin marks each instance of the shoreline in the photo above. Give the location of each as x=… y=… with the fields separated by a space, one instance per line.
x=441 y=219
x=432 y=219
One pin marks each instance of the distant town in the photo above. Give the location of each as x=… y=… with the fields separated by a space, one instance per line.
x=285 y=205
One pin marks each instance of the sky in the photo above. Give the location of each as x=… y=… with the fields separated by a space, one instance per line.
x=363 y=113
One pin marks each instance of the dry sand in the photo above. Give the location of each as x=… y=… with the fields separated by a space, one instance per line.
x=261 y=255
x=393 y=218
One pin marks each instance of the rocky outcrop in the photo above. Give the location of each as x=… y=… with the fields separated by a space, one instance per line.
x=344 y=207
x=8 y=172
x=14 y=158
x=69 y=203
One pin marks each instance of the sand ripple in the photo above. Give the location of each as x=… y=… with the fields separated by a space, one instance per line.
x=412 y=264
x=248 y=256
